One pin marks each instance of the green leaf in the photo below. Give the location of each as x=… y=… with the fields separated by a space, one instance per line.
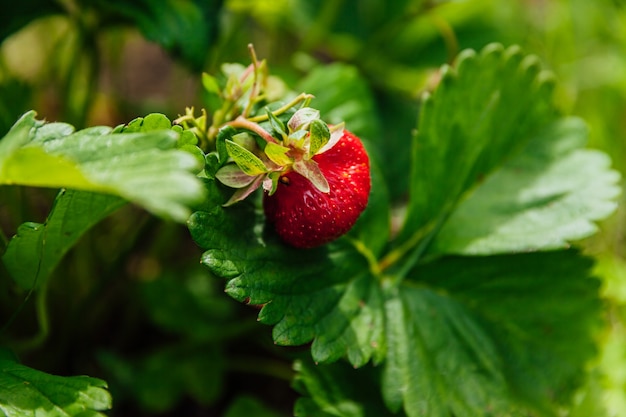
x=484 y=111
x=246 y=160
x=337 y=390
x=439 y=361
x=36 y=250
x=484 y=336
x=27 y=392
x=326 y=294
x=539 y=200
x=467 y=335
x=143 y=167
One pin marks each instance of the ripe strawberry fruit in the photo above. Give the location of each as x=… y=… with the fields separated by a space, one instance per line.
x=304 y=216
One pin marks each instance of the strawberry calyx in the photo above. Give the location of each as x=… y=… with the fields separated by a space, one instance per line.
x=257 y=158
x=250 y=146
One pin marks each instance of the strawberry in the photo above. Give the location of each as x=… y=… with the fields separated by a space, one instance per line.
x=316 y=178
x=304 y=216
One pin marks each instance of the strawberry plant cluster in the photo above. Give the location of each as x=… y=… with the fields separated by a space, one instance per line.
x=455 y=286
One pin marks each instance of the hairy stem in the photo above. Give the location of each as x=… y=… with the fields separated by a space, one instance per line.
x=364 y=250
x=255 y=81
x=398 y=253
x=302 y=97
x=243 y=123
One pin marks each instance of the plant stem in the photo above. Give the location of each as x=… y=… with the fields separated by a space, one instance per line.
x=398 y=253
x=243 y=123
x=448 y=35
x=364 y=250
x=255 y=81
x=299 y=98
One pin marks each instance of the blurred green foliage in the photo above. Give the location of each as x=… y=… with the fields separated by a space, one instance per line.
x=107 y=62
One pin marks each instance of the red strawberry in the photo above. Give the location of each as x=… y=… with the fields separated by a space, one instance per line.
x=304 y=216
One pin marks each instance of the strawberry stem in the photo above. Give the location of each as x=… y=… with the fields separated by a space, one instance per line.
x=301 y=97
x=364 y=250
x=401 y=251
x=255 y=81
x=242 y=123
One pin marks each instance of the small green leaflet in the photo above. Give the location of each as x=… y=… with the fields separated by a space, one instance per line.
x=246 y=160
x=27 y=392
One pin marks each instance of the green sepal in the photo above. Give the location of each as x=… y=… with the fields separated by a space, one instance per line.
x=246 y=160
x=224 y=133
x=244 y=192
x=212 y=164
x=319 y=136
x=274 y=176
x=311 y=171
x=278 y=154
x=245 y=140
x=233 y=176
x=296 y=139
x=302 y=118
x=277 y=125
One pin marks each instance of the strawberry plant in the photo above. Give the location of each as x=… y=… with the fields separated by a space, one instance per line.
x=323 y=243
